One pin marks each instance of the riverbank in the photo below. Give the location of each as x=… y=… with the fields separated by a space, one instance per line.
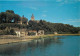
x=13 y=39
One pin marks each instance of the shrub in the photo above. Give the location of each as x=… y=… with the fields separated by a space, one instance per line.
x=31 y=33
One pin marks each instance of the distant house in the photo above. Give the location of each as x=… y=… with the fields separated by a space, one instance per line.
x=0 y=30
x=79 y=32
x=32 y=32
x=20 y=32
x=17 y=33
x=40 y=32
x=55 y=33
x=25 y=32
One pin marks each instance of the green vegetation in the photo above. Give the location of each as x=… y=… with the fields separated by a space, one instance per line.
x=8 y=31
x=10 y=19
x=24 y=20
x=31 y=33
x=49 y=28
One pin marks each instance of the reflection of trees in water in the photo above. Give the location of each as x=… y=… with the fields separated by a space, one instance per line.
x=10 y=49
x=44 y=42
x=17 y=48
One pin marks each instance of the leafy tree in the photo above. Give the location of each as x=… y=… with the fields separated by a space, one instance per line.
x=8 y=16
x=12 y=32
x=10 y=11
x=50 y=28
x=24 y=20
x=10 y=19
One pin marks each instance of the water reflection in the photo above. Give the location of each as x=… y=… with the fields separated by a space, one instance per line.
x=49 y=46
x=44 y=42
x=18 y=48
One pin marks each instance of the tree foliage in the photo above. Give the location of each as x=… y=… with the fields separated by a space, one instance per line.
x=50 y=28
x=8 y=31
x=9 y=16
x=10 y=11
x=24 y=20
x=10 y=19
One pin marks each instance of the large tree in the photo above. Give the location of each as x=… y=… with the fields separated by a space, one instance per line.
x=24 y=20
x=10 y=11
x=8 y=17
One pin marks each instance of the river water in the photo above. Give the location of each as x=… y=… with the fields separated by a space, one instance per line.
x=50 y=46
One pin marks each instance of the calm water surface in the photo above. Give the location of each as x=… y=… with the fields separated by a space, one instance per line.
x=57 y=46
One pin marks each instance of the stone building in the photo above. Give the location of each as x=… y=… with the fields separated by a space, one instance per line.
x=32 y=17
x=17 y=31
x=32 y=32
x=79 y=32
x=40 y=32
x=21 y=20
x=55 y=33
x=23 y=32
x=20 y=32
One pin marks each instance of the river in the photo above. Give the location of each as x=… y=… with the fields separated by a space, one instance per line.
x=50 y=46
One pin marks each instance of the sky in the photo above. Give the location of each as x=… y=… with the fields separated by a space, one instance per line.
x=55 y=11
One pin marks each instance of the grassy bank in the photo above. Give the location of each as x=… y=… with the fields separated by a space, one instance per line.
x=12 y=39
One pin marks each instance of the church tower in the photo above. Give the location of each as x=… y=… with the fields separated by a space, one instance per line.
x=32 y=17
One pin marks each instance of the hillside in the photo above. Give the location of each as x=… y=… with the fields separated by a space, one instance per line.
x=11 y=20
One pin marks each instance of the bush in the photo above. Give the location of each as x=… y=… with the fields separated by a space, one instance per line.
x=7 y=31
x=31 y=33
x=12 y=32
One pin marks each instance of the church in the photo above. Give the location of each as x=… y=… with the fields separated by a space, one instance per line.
x=24 y=21
x=25 y=32
x=33 y=19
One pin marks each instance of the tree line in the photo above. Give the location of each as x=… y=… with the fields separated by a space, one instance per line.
x=50 y=28
x=10 y=19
